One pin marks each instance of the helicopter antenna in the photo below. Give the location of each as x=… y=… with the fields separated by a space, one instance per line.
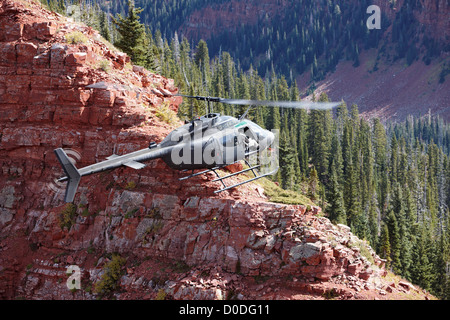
x=208 y=101
x=245 y=113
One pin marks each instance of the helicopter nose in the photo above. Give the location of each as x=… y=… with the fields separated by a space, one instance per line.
x=271 y=138
x=267 y=141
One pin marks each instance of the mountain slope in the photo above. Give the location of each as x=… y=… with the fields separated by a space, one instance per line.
x=144 y=231
x=393 y=92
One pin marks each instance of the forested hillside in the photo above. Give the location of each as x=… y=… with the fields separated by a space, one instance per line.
x=293 y=36
x=389 y=182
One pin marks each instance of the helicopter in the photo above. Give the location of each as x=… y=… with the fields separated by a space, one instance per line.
x=210 y=142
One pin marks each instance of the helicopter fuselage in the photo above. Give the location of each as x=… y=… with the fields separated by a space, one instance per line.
x=213 y=140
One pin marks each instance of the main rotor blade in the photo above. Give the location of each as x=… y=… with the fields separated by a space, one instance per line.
x=267 y=103
x=284 y=104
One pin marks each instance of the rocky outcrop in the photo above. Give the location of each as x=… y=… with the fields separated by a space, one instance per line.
x=180 y=240
x=236 y=239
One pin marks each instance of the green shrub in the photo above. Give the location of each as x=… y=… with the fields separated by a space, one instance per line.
x=130 y=213
x=109 y=280
x=180 y=267
x=67 y=216
x=165 y=114
x=331 y=294
x=130 y=185
x=76 y=37
x=161 y=294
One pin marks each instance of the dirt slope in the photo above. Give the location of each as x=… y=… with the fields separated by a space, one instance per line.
x=392 y=92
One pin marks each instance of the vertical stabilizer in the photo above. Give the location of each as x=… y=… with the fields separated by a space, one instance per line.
x=72 y=173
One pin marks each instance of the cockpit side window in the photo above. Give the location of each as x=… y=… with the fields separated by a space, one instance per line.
x=227 y=124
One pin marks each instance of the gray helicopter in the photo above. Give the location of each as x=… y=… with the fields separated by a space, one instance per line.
x=208 y=143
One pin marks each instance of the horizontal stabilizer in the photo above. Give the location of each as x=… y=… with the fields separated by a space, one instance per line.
x=113 y=156
x=134 y=164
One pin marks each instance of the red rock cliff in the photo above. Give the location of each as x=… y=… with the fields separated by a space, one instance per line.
x=179 y=239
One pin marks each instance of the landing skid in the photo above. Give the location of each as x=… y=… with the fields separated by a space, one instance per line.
x=221 y=179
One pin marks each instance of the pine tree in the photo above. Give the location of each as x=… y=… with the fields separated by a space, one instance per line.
x=394 y=160
x=421 y=270
x=175 y=45
x=385 y=247
x=228 y=74
x=201 y=56
x=394 y=241
x=243 y=91
x=287 y=162
x=297 y=171
x=132 y=34
x=274 y=119
x=406 y=225
x=347 y=146
x=319 y=128
x=380 y=154
x=374 y=214
x=441 y=283
x=432 y=187
x=313 y=184
x=336 y=208
x=336 y=159
x=352 y=205
x=61 y=8
x=104 y=27
x=367 y=168
x=302 y=145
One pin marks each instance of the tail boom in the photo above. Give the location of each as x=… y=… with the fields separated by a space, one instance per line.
x=73 y=175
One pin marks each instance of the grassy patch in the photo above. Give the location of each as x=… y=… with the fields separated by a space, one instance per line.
x=104 y=65
x=108 y=44
x=277 y=194
x=363 y=249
